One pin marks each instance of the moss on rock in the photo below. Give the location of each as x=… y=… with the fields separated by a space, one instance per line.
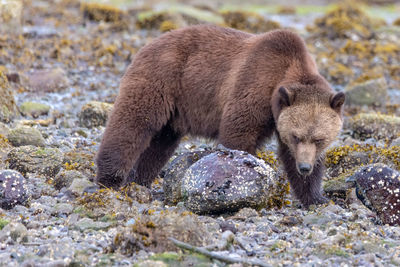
x=248 y=21
x=347 y=20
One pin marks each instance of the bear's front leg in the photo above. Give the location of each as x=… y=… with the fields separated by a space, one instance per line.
x=307 y=189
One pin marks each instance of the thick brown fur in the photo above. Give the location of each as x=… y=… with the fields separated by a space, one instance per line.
x=224 y=84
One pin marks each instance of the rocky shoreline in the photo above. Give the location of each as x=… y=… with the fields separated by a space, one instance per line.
x=59 y=75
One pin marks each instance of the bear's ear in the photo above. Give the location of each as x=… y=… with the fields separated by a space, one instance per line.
x=284 y=97
x=337 y=101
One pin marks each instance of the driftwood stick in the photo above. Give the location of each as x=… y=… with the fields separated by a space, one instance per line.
x=216 y=256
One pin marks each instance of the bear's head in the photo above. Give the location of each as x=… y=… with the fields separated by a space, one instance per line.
x=308 y=121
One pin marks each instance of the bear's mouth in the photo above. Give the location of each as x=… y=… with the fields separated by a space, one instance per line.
x=304 y=168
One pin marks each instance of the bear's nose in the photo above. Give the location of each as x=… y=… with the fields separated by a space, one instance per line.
x=304 y=168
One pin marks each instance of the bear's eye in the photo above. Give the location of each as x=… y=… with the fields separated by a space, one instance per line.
x=319 y=141
x=296 y=139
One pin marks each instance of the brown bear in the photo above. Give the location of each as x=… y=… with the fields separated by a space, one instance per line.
x=221 y=83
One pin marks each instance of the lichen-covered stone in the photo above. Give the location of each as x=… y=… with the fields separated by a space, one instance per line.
x=94 y=114
x=24 y=136
x=369 y=92
x=34 y=109
x=151 y=232
x=65 y=178
x=87 y=223
x=13 y=189
x=248 y=21
x=373 y=125
x=378 y=188
x=31 y=159
x=227 y=180
x=175 y=172
x=78 y=186
x=8 y=108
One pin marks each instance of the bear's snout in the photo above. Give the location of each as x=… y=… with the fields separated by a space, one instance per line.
x=304 y=168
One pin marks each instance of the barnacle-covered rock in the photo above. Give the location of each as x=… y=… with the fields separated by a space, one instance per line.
x=227 y=180
x=13 y=189
x=175 y=172
x=10 y=15
x=378 y=188
x=373 y=125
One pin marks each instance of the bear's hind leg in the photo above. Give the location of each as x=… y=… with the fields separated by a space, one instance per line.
x=136 y=118
x=161 y=148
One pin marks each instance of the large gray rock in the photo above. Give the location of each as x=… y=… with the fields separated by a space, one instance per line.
x=226 y=181
x=175 y=172
x=13 y=189
x=24 y=136
x=94 y=114
x=31 y=159
x=370 y=92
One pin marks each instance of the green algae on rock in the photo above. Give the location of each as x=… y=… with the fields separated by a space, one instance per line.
x=34 y=109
